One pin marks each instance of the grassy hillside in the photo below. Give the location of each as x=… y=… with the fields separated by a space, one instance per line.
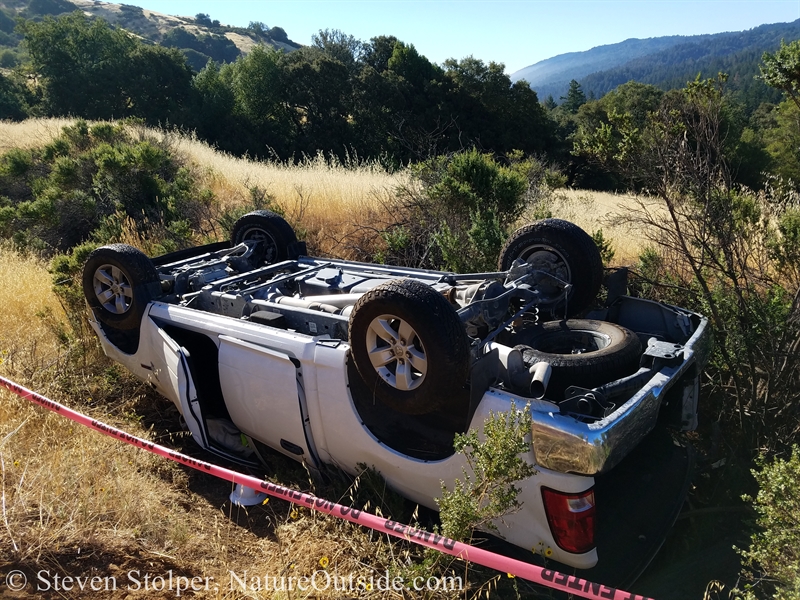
x=198 y=37
x=328 y=201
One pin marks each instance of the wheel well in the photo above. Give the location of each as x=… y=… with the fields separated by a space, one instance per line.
x=427 y=437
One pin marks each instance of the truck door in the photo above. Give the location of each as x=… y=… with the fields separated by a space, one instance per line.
x=263 y=396
x=172 y=376
x=171 y=370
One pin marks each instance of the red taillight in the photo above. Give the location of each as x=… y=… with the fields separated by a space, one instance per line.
x=571 y=519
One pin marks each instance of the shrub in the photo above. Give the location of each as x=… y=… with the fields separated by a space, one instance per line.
x=66 y=270
x=605 y=247
x=773 y=559
x=8 y=59
x=724 y=250
x=459 y=209
x=50 y=7
x=15 y=96
x=487 y=491
x=93 y=182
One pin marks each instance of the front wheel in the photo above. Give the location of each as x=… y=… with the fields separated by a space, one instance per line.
x=409 y=346
x=118 y=283
x=562 y=253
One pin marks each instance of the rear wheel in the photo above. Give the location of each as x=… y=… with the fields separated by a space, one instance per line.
x=118 y=283
x=561 y=252
x=270 y=229
x=409 y=346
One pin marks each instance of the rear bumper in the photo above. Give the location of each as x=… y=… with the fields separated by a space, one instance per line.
x=637 y=504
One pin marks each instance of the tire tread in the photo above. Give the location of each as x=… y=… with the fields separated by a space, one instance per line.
x=141 y=273
x=282 y=232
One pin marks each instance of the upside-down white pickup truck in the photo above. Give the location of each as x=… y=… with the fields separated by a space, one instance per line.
x=345 y=363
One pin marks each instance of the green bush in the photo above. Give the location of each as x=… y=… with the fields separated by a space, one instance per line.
x=773 y=559
x=15 y=96
x=66 y=270
x=457 y=213
x=487 y=491
x=8 y=59
x=99 y=182
x=605 y=247
x=470 y=181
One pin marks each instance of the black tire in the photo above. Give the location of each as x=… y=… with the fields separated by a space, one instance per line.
x=118 y=283
x=269 y=228
x=567 y=252
x=582 y=352
x=417 y=373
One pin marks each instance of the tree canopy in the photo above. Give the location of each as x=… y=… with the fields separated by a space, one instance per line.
x=90 y=69
x=377 y=98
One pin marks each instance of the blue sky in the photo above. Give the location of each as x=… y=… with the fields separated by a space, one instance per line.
x=516 y=33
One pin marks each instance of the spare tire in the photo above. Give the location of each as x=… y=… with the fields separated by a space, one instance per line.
x=269 y=228
x=118 y=283
x=581 y=352
x=409 y=346
x=561 y=250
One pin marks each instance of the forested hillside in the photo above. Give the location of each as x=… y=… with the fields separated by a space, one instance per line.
x=738 y=54
x=666 y=62
x=554 y=74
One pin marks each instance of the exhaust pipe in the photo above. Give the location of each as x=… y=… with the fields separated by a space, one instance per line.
x=540 y=377
x=515 y=374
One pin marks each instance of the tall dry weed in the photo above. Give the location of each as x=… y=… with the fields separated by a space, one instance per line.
x=592 y=210
x=327 y=200
x=28 y=309
x=340 y=208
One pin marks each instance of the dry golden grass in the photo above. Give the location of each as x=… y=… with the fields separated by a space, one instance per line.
x=30 y=133
x=323 y=198
x=63 y=486
x=603 y=210
x=26 y=292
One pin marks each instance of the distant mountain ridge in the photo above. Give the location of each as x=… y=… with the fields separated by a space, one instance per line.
x=575 y=65
x=666 y=62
